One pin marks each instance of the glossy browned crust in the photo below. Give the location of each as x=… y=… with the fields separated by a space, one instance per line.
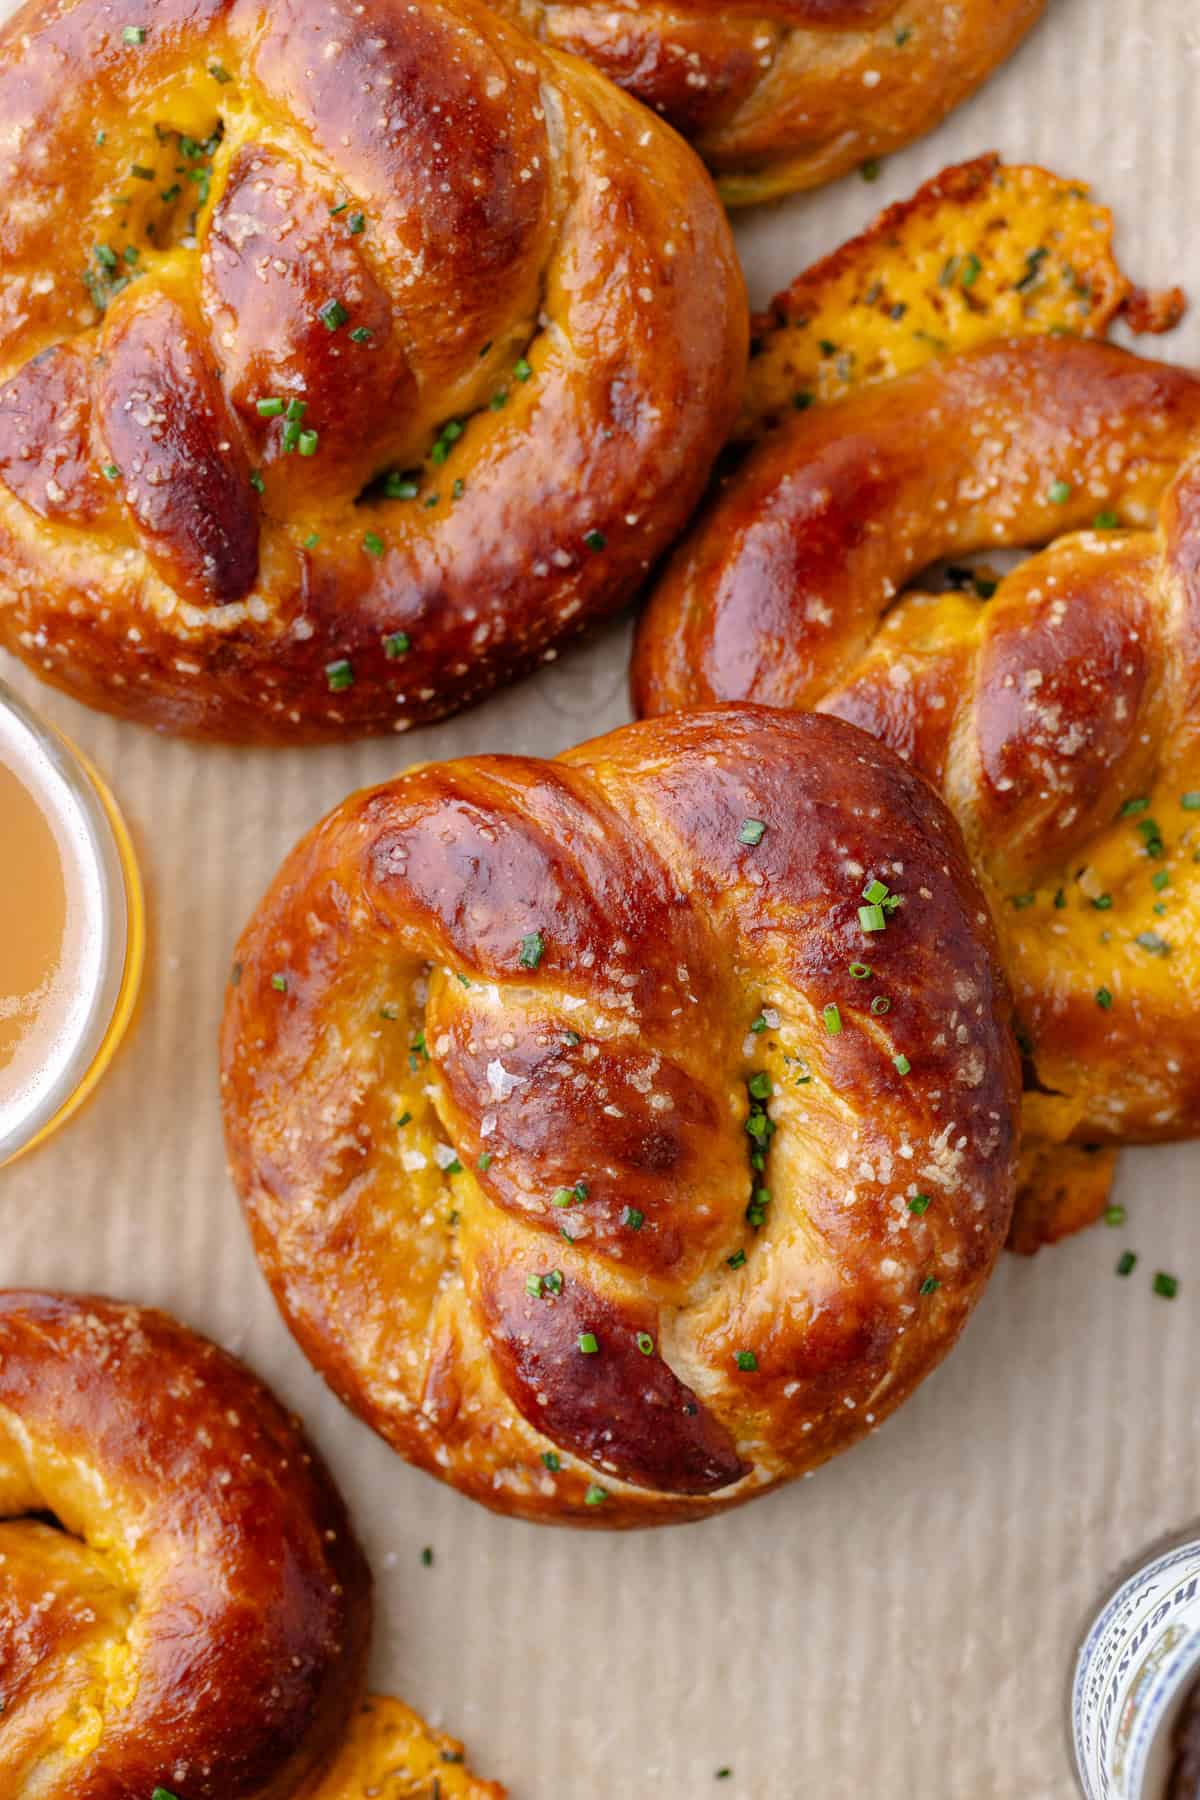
x=571 y=970
x=204 y=1625
x=534 y=257
x=785 y=94
x=1041 y=714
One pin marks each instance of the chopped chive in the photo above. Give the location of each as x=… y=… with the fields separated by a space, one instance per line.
x=971 y=270
x=919 y=1204
x=140 y=172
x=1021 y=901
x=404 y=1119
x=758 y=1025
x=1104 y=999
x=1190 y=802
x=930 y=1284
x=219 y=72
x=499 y=400
x=339 y=675
x=312 y=540
x=522 y=370
x=747 y=1360
x=268 y=409
x=1127 y=1263
x=645 y=1343
x=633 y=1218
x=595 y=540
x=1060 y=493
x=279 y=983
x=588 y=1343
x=339 y=208
x=357 y=222
x=1159 y=880
x=134 y=34
x=564 y=1196
x=257 y=482
x=1131 y=808
x=308 y=443
x=333 y=315
x=398 y=486
x=1150 y=940
x=373 y=544
x=871 y=169
x=105 y=256
x=861 y=971
x=833 y=1020
x=111 y=472
x=872 y=918
x=554 y=1282
x=802 y=401
x=396 y=644
x=751 y=831
x=737 y=1259
x=484 y=1161
x=296 y=410
x=902 y=1064
x=596 y=1495
x=1114 y=1215
x=533 y=1286
x=361 y=335
x=1166 y=1285
x=1102 y=902
x=880 y=1004
x=875 y=892
x=532 y=948
x=427 y=1556
x=551 y=1460
x=1106 y=521
x=759 y=1086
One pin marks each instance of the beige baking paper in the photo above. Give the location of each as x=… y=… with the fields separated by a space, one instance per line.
x=901 y=1624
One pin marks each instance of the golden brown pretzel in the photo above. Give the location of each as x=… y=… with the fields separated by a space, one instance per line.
x=608 y=1149
x=194 y=1617
x=785 y=94
x=1058 y=718
x=450 y=253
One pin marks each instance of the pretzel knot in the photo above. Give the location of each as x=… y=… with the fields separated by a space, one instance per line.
x=626 y=1133
x=199 y=1618
x=1059 y=717
x=353 y=356
x=786 y=94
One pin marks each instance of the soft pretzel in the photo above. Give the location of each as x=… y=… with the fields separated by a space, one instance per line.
x=183 y=1604
x=785 y=94
x=625 y=1134
x=353 y=356
x=1058 y=717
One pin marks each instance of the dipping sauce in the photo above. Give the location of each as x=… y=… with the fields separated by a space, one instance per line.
x=70 y=928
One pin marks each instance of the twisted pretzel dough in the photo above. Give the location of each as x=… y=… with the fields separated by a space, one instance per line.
x=1059 y=718
x=595 y=1153
x=204 y=1626
x=320 y=242
x=785 y=94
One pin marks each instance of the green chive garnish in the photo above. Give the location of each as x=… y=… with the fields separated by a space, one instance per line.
x=1127 y=1263
x=532 y=948
x=833 y=1020
x=747 y=1360
x=373 y=544
x=930 y=1284
x=596 y=1495
x=550 y=1458
x=339 y=675
x=588 y=1343
x=919 y=1204
x=633 y=1218
x=333 y=315
x=1104 y=999
x=396 y=644
x=1060 y=493
x=1166 y=1285
x=751 y=832
x=645 y=1343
